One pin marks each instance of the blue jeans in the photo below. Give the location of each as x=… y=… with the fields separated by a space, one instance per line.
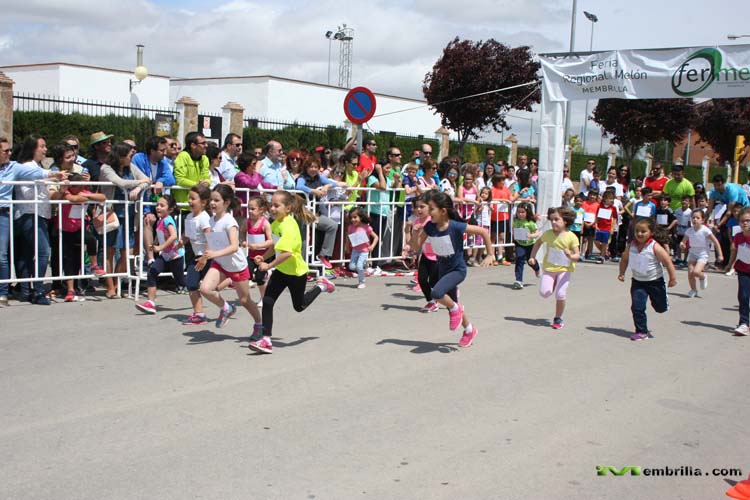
x=25 y=257
x=359 y=264
x=743 y=296
x=522 y=256
x=4 y=251
x=640 y=293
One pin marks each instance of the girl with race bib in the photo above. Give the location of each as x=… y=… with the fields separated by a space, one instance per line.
x=290 y=268
x=427 y=270
x=258 y=240
x=559 y=259
x=197 y=224
x=646 y=257
x=445 y=232
x=361 y=239
x=524 y=235
x=171 y=256
x=228 y=259
x=697 y=238
x=740 y=262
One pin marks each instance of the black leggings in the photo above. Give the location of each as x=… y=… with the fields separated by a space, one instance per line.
x=175 y=266
x=300 y=299
x=72 y=250
x=427 y=276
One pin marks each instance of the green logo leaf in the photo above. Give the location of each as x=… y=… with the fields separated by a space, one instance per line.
x=685 y=75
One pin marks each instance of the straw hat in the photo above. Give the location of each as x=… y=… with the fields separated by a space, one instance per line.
x=99 y=137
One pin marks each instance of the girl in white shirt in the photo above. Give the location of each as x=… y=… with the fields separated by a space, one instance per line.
x=696 y=241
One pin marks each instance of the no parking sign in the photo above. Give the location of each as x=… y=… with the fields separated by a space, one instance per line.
x=359 y=105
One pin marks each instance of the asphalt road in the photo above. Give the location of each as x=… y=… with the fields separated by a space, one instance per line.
x=366 y=398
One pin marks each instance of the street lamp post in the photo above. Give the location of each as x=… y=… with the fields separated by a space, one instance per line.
x=566 y=130
x=329 y=36
x=591 y=17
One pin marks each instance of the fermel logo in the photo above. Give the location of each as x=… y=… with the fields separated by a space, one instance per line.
x=697 y=73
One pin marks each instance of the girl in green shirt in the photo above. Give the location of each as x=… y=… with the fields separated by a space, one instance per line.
x=524 y=235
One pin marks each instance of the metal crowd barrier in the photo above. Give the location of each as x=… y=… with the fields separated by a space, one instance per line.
x=390 y=232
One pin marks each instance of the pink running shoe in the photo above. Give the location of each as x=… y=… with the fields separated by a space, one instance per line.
x=263 y=345
x=148 y=307
x=455 y=317
x=324 y=260
x=328 y=284
x=97 y=270
x=430 y=307
x=468 y=337
x=417 y=288
x=195 y=319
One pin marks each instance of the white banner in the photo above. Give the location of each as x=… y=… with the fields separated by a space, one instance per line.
x=701 y=72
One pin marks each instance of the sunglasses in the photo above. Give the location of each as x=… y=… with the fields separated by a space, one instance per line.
x=326 y=152
x=591 y=163
x=201 y=143
x=427 y=153
x=395 y=154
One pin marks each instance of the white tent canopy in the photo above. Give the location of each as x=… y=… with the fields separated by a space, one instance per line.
x=706 y=72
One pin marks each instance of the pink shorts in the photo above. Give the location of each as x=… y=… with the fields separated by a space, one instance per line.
x=243 y=275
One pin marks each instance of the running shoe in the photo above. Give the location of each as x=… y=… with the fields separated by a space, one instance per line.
x=468 y=337
x=741 y=331
x=98 y=271
x=148 y=307
x=329 y=287
x=224 y=316
x=517 y=285
x=454 y=317
x=263 y=345
x=195 y=319
x=692 y=294
x=361 y=286
x=639 y=336
x=430 y=307
x=557 y=323
x=324 y=260
x=417 y=288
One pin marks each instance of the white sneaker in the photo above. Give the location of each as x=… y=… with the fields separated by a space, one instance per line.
x=377 y=271
x=259 y=303
x=692 y=294
x=741 y=331
x=704 y=282
x=729 y=273
x=361 y=285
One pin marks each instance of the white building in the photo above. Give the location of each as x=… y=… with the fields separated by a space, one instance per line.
x=269 y=97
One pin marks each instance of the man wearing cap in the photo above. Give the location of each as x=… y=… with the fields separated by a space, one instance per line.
x=677 y=187
x=191 y=167
x=100 y=145
x=13 y=171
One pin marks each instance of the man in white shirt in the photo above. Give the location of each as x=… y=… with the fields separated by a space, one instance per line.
x=232 y=149
x=612 y=182
x=587 y=175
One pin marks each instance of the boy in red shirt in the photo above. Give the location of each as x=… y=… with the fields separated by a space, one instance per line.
x=605 y=214
x=499 y=216
x=590 y=209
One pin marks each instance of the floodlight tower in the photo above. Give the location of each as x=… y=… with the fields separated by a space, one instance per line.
x=345 y=35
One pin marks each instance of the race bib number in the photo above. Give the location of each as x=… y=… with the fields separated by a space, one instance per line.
x=256 y=238
x=604 y=213
x=441 y=245
x=589 y=217
x=557 y=257
x=643 y=211
x=736 y=230
x=520 y=233
x=358 y=238
x=719 y=211
x=743 y=253
x=662 y=219
x=76 y=212
x=217 y=241
x=638 y=263
x=579 y=218
x=470 y=196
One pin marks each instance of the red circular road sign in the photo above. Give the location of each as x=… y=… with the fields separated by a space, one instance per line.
x=359 y=105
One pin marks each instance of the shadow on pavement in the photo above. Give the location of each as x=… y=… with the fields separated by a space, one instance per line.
x=400 y=295
x=403 y=308
x=504 y=285
x=207 y=336
x=614 y=331
x=422 y=347
x=529 y=321
x=682 y=295
x=301 y=340
x=721 y=328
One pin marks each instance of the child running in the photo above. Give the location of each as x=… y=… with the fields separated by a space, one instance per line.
x=645 y=256
x=559 y=259
x=427 y=268
x=361 y=240
x=740 y=262
x=171 y=256
x=228 y=260
x=290 y=268
x=524 y=235
x=445 y=233
x=697 y=238
x=259 y=240
x=197 y=224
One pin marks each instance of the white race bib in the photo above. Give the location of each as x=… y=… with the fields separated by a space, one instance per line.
x=579 y=218
x=604 y=213
x=643 y=211
x=736 y=230
x=697 y=243
x=557 y=257
x=520 y=233
x=256 y=238
x=76 y=212
x=662 y=219
x=470 y=196
x=719 y=211
x=441 y=245
x=358 y=238
x=589 y=217
x=743 y=253
x=638 y=263
x=216 y=241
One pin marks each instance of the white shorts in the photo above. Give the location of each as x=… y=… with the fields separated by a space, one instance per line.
x=701 y=256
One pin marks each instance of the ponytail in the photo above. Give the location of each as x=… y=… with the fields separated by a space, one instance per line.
x=227 y=194
x=296 y=207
